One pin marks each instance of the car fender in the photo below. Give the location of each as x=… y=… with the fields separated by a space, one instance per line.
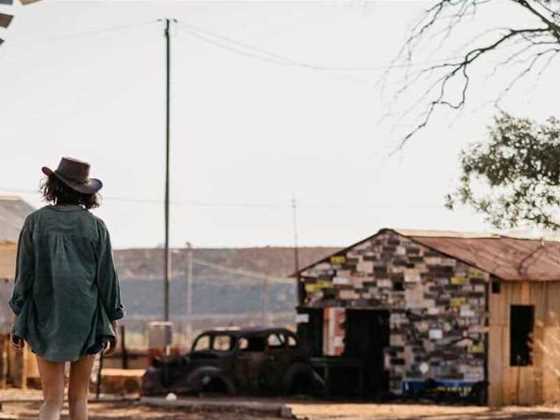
x=202 y=376
x=299 y=369
x=151 y=383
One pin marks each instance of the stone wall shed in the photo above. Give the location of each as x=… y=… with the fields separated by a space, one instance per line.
x=449 y=306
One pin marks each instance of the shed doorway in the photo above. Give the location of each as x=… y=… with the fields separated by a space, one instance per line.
x=310 y=332
x=367 y=335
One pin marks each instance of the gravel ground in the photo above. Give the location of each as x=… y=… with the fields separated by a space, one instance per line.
x=28 y=405
x=123 y=410
x=409 y=412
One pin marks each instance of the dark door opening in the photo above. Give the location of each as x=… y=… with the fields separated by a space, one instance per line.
x=522 y=320
x=310 y=333
x=367 y=334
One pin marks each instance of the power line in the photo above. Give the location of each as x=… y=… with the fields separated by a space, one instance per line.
x=94 y=31
x=71 y=36
x=288 y=205
x=275 y=58
x=243 y=273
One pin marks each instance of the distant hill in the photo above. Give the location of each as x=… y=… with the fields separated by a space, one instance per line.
x=225 y=280
x=13 y=211
x=147 y=263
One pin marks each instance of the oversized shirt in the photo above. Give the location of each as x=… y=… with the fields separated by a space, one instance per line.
x=66 y=291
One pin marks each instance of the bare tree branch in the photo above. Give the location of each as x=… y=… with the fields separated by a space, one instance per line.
x=448 y=82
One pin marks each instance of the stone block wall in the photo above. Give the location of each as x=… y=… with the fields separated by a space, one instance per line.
x=436 y=305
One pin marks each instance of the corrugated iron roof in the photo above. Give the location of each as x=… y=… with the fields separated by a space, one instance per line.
x=13 y=211
x=443 y=233
x=506 y=257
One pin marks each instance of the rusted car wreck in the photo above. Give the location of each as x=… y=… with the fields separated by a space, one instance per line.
x=249 y=361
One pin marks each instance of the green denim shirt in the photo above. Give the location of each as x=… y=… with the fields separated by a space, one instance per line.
x=66 y=291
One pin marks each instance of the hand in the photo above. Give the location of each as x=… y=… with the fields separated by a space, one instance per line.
x=17 y=342
x=112 y=345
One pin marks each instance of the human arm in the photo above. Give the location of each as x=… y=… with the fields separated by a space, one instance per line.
x=25 y=269
x=113 y=343
x=107 y=279
x=24 y=278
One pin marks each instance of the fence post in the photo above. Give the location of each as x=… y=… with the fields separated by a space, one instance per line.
x=124 y=353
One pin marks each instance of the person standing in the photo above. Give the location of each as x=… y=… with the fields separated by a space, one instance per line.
x=66 y=296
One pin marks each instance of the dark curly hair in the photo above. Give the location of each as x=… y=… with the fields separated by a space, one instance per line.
x=57 y=192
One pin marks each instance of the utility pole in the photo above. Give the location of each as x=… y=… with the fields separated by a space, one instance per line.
x=296 y=250
x=300 y=286
x=189 y=331
x=167 y=261
x=266 y=315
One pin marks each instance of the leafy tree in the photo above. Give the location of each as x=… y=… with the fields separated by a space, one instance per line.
x=514 y=179
x=528 y=49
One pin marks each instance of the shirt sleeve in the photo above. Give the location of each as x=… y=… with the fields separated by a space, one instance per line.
x=107 y=279
x=25 y=269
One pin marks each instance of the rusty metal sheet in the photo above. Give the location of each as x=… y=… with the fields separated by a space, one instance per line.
x=5 y=20
x=505 y=257
x=444 y=233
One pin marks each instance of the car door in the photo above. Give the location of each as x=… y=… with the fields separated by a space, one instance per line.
x=277 y=361
x=249 y=360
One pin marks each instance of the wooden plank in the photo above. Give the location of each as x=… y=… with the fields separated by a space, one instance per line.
x=538 y=298
x=525 y=297
x=535 y=384
x=551 y=361
x=495 y=368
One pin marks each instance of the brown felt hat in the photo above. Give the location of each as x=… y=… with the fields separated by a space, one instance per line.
x=75 y=174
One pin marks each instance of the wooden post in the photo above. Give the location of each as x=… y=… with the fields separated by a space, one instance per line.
x=98 y=385
x=23 y=355
x=4 y=343
x=124 y=353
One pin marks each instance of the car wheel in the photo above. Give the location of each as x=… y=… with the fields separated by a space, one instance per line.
x=216 y=385
x=301 y=379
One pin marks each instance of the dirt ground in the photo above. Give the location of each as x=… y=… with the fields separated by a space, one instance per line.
x=28 y=405
x=411 y=412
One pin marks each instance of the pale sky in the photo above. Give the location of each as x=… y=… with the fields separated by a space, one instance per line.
x=86 y=79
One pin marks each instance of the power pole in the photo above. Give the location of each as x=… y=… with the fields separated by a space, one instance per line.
x=167 y=262
x=300 y=286
x=189 y=331
x=296 y=250
x=266 y=302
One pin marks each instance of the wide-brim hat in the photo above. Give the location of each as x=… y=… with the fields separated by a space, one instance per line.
x=75 y=174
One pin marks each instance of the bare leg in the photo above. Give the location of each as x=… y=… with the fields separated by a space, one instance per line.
x=52 y=384
x=78 y=387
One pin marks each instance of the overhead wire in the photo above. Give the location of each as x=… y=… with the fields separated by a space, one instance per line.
x=95 y=31
x=276 y=58
x=34 y=43
x=221 y=204
x=244 y=49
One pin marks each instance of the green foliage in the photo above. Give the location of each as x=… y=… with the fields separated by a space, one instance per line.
x=514 y=179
